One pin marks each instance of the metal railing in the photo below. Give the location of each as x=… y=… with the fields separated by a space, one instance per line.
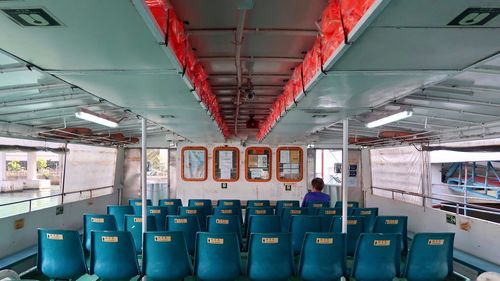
x=61 y=195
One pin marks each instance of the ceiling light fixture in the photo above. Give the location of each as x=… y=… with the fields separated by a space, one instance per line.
x=389 y=119
x=88 y=115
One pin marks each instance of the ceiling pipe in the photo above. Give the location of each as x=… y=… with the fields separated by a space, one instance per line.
x=238 y=43
x=252 y=58
x=13 y=68
x=272 y=31
x=29 y=87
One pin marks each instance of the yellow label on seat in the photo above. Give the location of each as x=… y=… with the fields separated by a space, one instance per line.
x=97 y=220
x=352 y=222
x=349 y=205
x=228 y=203
x=324 y=240
x=381 y=243
x=295 y=212
x=180 y=220
x=226 y=211
x=258 y=204
x=435 y=242
x=199 y=203
x=317 y=205
x=221 y=221
x=138 y=203
x=270 y=240
x=365 y=212
x=137 y=219
x=155 y=211
x=391 y=221
x=218 y=241
x=163 y=238
x=191 y=212
x=330 y=212
x=53 y=236
x=109 y=239
x=168 y=203
x=287 y=204
x=260 y=212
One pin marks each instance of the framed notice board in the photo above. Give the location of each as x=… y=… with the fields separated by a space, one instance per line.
x=194 y=163
x=289 y=164
x=226 y=164
x=258 y=164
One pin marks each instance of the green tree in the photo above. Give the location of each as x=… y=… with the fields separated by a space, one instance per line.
x=14 y=166
x=41 y=164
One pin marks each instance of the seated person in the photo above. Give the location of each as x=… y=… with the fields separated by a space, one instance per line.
x=315 y=195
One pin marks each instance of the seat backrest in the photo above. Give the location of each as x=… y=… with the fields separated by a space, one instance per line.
x=330 y=211
x=225 y=224
x=299 y=225
x=426 y=247
x=258 y=203
x=370 y=216
x=119 y=213
x=322 y=256
x=188 y=225
x=137 y=205
x=229 y=211
x=327 y=222
x=200 y=203
x=199 y=212
x=217 y=256
x=287 y=213
x=229 y=203
x=315 y=204
x=263 y=224
x=96 y=222
x=172 y=205
x=280 y=204
x=393 y=224
x=354 y=229
x=133 y=224
x=166 y=256
x=60 y=254
x=350 y=204
x=252 y=211
x=113 y=255
x=160 y=214
x=377 y=255
x=270 y=257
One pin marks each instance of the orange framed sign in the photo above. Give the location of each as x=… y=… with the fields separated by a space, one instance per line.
x=289 y=164
x=258 y=164
x=194 y=163
x=226 y=164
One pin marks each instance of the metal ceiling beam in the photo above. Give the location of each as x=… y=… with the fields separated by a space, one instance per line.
x=270 y=31
x=252 y=58
x=450 y=100
x=235 y=87
x=489 y=69
x=270 y=95
x=447 y=109
x=41 y=100
x=237 y=61
x=48 y=109
x=253 y=75
x=28 y=87
x=13 y=68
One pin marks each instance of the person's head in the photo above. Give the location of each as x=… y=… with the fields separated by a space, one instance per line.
x=317 y=184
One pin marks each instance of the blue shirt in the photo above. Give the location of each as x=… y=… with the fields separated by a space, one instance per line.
x=315 y=197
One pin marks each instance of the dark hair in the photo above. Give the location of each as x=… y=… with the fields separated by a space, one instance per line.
x=318 y=184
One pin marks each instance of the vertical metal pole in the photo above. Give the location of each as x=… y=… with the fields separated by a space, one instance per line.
x=143 y=175
x=64 y=172
x=465 y=189
x=168 y=174
x=345 y=170
x=322 y=164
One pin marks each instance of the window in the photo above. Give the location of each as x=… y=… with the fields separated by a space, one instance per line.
x=258 y=164
x=194 y=163
x=289 y=164
x=329 y=165
x=226 y=164
x=157 y=170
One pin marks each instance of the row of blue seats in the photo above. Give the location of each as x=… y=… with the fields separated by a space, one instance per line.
x=217 y=256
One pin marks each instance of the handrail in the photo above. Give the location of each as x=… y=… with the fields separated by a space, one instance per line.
x=55 y=195
x=474 y=207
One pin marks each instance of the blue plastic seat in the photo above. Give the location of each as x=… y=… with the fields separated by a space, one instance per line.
x=133 y=224
x=137 y=205
x=119 y=213
x=377 y=257
x=370 y=216
x=229 y=203
x=172 y=205
x=280 y=204
x=354 y=230
x=229 y=211
x=258 y=203
x=254 y=211
x=270 y=257
x=160 y=214
x=287 y=213
x=188 y=225
x=327 y=216
x=323 y=257
x=330 y=211
x=350 y=204
x=206 y=206
x=327 y=222
x=314 y=204
x=299 y=225
x=166 y=256
x=113 y=255
x=430 y=257
x=200 y=203
x=96 y=222
x=263 y=224
x=60 y=254
x=198 y=212
x=225 y=224
x=217 y=257
x=393 y=224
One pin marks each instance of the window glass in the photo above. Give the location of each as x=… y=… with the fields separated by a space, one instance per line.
x=258 y=164
x=194 y=163
x=289 y=164
x=226 y=164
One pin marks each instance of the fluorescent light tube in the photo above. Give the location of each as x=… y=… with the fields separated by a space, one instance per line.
x=389 y=119
x=95 y=118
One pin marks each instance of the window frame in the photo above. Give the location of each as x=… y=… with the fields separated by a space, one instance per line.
x=269 y=161
x=206 y=163
x=214 y=166
x=301 y=163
